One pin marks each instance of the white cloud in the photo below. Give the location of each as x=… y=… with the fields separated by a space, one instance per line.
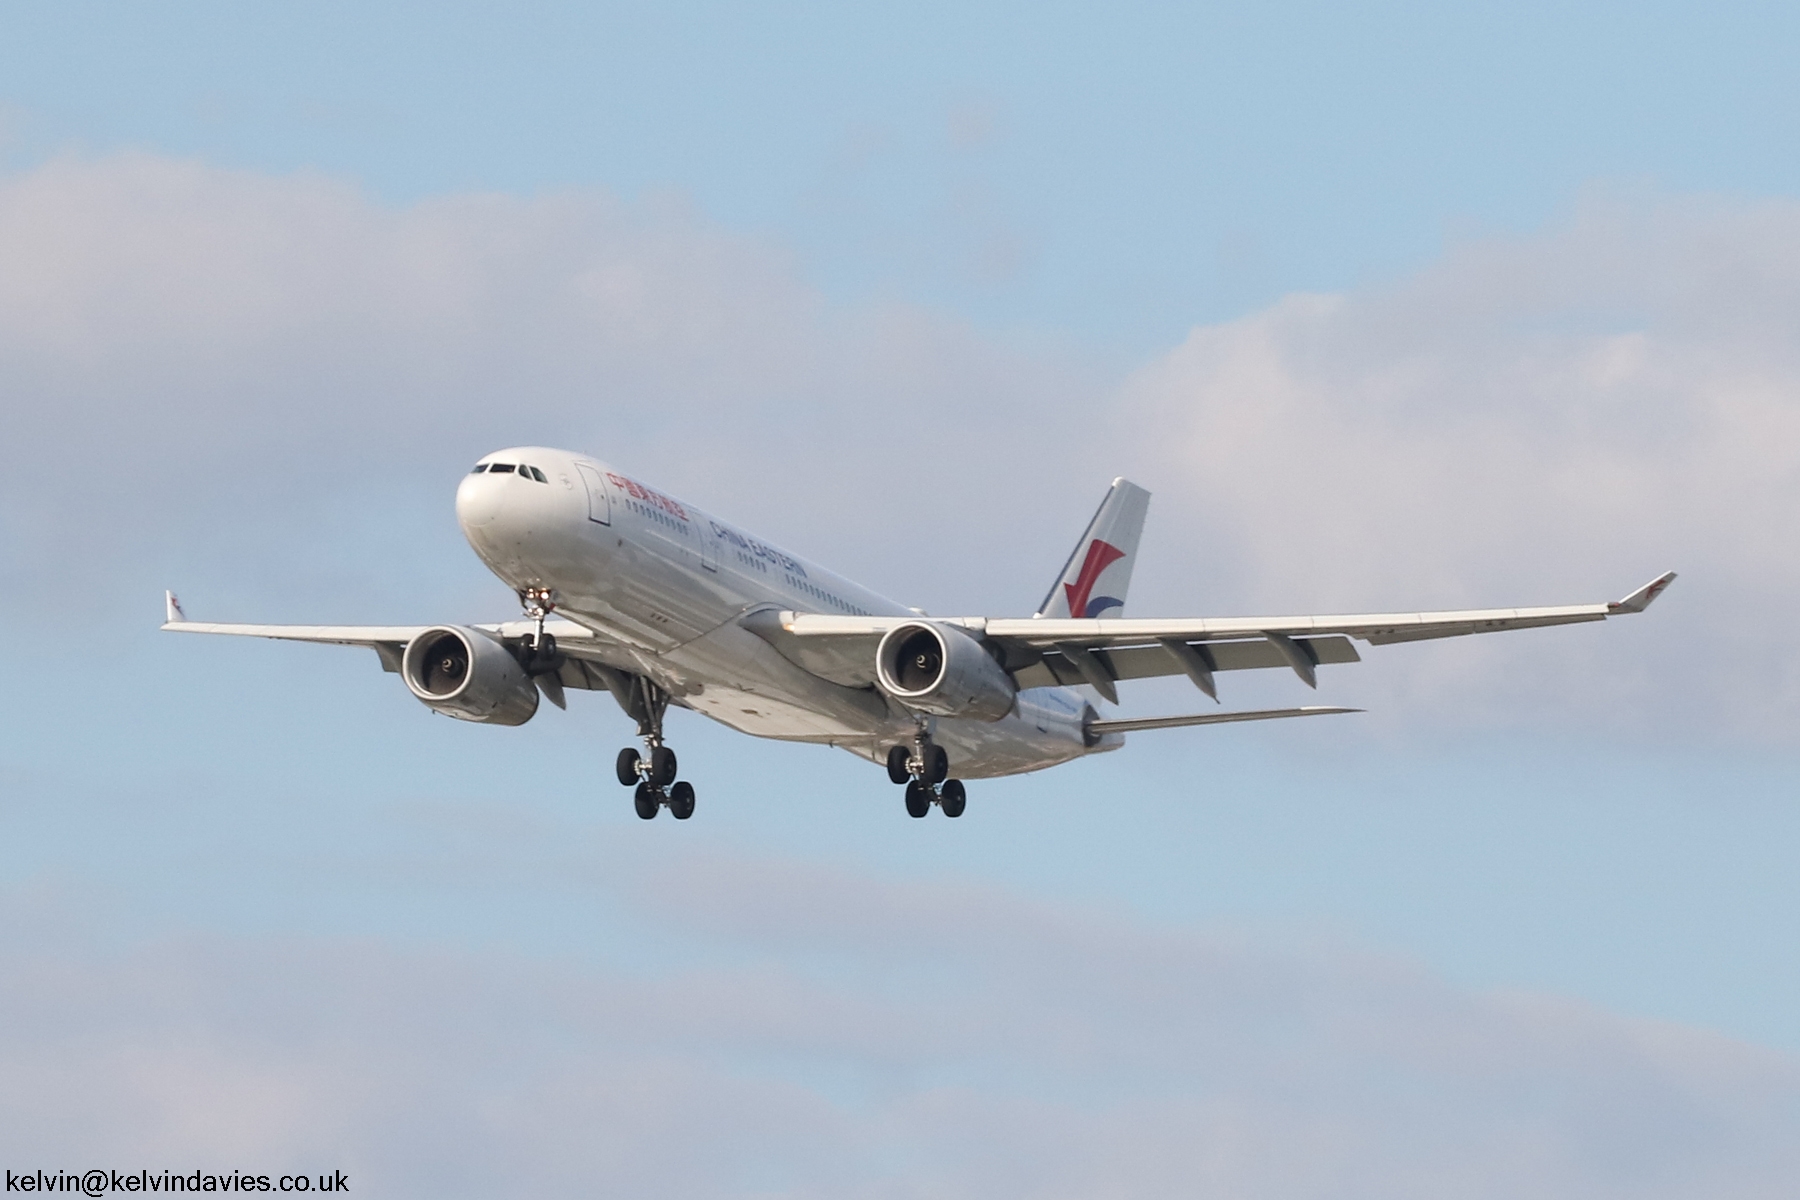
x=811 y=1033
x=1545 y=419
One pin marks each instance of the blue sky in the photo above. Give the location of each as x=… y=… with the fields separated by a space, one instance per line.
x=1389 y=306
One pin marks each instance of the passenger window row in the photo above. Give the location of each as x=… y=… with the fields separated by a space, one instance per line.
x=507 y=469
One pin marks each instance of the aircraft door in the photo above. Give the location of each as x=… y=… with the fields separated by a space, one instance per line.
x=709 y=544
x=599 y=503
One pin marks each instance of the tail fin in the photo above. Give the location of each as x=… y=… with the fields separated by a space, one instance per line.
x=1094 y=580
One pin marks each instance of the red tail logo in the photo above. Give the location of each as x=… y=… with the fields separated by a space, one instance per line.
x=1100 y=556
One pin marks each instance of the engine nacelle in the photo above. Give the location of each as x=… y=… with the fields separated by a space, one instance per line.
x=466 y=674
x=940 y=669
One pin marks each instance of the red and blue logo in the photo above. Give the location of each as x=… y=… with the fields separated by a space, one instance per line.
x=1082 y=602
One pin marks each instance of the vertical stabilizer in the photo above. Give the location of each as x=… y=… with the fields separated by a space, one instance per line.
x=1094 y=580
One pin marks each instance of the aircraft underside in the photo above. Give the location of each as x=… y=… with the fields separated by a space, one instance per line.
x=740 y=681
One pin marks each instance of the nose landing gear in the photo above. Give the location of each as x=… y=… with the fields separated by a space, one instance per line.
x=539 y=603
x=653 y=774
x=924 y=768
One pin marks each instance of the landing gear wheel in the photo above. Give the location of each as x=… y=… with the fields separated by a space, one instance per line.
x=953 y=798
x=628 y=766
x=648 y=801
x=662 y=766
x=681 y=800
x=937 y=765
x=896 y=764
x=918 y=799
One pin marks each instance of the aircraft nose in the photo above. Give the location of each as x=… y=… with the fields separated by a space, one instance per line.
x=479 y=500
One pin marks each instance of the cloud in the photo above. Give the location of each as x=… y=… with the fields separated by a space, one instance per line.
x=220 y=309
x=1550 y=418
x=815 y=1032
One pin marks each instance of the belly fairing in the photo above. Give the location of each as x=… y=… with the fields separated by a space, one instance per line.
x=1044 y=729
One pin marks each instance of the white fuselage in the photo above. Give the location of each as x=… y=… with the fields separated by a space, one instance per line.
x=669 y=585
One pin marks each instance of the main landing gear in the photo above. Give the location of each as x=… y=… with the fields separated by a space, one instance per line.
x=653 y=773
x=923 y=767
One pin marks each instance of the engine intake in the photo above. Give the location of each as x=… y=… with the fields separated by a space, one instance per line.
x=467 y=674
x=940 y=669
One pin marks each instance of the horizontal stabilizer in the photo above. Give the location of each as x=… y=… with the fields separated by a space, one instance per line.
x=1134 y=724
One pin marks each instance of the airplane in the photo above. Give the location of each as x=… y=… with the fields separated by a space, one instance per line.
x=627 y=590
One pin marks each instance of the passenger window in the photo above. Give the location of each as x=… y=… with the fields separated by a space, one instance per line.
x=500 y=469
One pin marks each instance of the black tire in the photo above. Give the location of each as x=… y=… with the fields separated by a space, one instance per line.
x=896 y=765
x=953 y=798
x=628 y=766
x=918 y=799
x=648 y=801
x=662 y=766
x=681 y=800
x=937 y=765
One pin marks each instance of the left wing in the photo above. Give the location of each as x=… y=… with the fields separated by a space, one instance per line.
x=1043 y=652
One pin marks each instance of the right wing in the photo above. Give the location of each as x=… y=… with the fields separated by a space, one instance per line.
x=589 y=659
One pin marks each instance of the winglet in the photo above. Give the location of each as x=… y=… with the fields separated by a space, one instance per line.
x=172 y=608
x=1639 y=600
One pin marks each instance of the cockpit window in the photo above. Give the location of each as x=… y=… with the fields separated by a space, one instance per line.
x=500 y=469
x=479 y=468
x=537 y=474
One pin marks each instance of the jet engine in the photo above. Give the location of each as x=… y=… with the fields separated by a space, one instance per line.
x=940 y=669
x=467 y=674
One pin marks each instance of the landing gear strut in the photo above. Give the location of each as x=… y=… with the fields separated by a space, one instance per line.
x=924 y=768
x=539 y=603
x=653 y=772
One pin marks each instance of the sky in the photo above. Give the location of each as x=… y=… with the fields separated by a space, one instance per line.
x=1391 y=307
